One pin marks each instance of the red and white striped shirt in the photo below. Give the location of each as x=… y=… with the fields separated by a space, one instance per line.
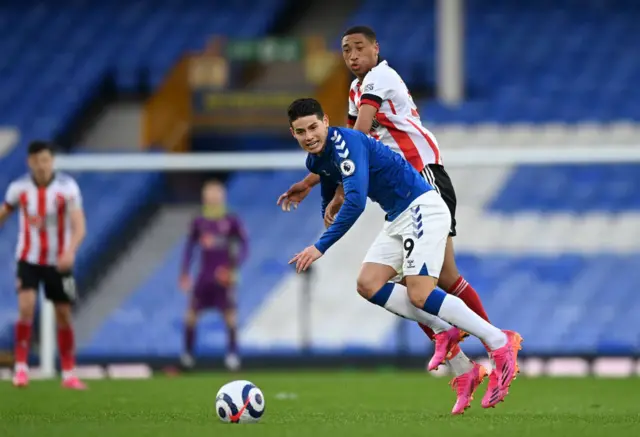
x=45 y=227
x=397 y=123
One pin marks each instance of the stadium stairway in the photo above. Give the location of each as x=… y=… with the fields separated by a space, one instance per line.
x=154 y=311
x=159 y=235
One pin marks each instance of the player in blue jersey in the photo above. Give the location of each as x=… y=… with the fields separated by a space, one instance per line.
x=412 y=241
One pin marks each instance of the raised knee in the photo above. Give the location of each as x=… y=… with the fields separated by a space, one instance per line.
x=367 y=288
x=417 y=299
x=448 y=277
x=419 y=288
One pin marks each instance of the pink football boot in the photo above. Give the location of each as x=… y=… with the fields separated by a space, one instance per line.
x=465 y=386
x=21 y=378
x=506 y=370
x=73 y=383
x=444 y=343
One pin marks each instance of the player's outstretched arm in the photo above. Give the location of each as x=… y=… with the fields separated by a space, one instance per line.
x=297 y=192
x=355 y=182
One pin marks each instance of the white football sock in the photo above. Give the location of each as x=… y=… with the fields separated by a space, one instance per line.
x=21 y=367
x=454 y=311
x=400 y=305
x=460 y=364
x=68 y=374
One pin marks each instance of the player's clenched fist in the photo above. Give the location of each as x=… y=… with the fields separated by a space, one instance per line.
x=294 y=195
x=305 y=258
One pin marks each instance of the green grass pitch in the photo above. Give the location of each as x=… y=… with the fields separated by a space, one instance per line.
x=325 y=404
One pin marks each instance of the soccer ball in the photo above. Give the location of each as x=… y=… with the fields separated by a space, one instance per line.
x=239 y=402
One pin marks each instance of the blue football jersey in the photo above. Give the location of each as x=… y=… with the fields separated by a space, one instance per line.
x=366 y=168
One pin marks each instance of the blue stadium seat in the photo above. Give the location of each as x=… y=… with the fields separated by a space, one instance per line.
x=584 y=72
x=546 y=302
x=587 y=71
x=561 y=303
x=585 y=188
x=55 y=57
x=564 y=290
x=151 y=310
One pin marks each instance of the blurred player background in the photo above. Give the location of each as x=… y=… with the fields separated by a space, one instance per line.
x=552 y=247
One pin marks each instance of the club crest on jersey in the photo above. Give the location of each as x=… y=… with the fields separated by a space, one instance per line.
x=347 y=167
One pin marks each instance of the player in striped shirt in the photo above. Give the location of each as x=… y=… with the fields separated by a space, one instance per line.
x=52 y=227
x=381 y=105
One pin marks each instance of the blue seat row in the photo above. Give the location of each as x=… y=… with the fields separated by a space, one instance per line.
x=155 y=310
x=553 y=61
x=57 y=56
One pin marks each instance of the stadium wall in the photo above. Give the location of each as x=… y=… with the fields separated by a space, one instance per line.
x=604 y=367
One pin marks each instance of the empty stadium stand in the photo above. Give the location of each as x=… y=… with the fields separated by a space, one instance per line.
x=58 y=54
x=56 y=58
x=567 y=61
x=574 y=292
x=552 y=249
x=564 y=299
x=155 y=311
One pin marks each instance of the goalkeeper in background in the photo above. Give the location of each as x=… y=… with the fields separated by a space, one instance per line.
x=222 y=242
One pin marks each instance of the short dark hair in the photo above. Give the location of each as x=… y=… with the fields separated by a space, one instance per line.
x=213 y=182
x=38 y=146
x=365 y=30
x=303 y=108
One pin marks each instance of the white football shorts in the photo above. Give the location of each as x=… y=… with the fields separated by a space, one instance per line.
x=414 y=243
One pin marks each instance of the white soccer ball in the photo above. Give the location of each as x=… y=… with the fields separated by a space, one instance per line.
x=239 y=402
